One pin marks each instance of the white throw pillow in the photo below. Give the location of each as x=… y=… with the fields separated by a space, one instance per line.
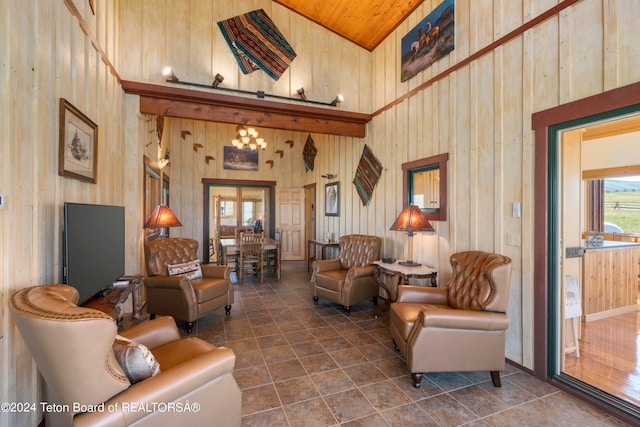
x=191 y=269
x=135 y=359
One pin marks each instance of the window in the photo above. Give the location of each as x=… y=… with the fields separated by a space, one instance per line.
x=614 y=200
x=622 y=205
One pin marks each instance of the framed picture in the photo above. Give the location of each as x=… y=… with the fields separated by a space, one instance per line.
x=240 y=160
x=332 y=199
x=427 y=42
x=78 y=157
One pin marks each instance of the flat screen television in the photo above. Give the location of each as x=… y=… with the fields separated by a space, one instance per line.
x=93 y=247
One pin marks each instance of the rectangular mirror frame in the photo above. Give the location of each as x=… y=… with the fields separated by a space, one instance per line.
x=438 y=162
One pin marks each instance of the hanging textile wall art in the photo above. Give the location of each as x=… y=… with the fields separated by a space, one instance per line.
x=309 y=153
x=256 y=43
x=367 y=175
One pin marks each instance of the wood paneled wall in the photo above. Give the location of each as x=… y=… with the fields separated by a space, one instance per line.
x=481 y=115
x=48 y=55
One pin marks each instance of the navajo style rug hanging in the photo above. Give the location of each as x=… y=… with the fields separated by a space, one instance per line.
x=367 y=175
x=309 y=153
x=256 y=43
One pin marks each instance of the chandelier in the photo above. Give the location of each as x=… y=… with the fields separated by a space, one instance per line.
x=248 y=137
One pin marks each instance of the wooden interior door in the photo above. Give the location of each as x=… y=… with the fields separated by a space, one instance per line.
x=290 y=219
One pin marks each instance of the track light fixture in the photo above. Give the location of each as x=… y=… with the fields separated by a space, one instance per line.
x=338 y=99
x=170 y=75
x=217 y=80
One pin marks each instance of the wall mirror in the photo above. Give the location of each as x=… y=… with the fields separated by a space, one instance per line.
x=424 y=184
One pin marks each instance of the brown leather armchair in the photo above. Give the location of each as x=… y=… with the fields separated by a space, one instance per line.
x=349 y=279
x=73 y=348
x=178 y=296
x=460 y=328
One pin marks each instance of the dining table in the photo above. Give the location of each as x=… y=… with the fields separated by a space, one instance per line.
x=233 y=245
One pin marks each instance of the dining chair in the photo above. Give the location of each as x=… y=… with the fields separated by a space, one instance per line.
x=251 y=255
x=232 y=256
x=271 y=255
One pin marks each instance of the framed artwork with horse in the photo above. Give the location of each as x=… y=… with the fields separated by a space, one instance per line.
x=427 y=42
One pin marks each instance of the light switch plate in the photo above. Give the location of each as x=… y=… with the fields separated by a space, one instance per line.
x=516 y=210
x=1 y=201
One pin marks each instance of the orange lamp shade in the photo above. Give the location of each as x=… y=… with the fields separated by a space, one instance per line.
x=411 y=220
x=162 y=217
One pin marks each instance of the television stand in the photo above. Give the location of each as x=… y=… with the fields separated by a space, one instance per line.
x=111 y=298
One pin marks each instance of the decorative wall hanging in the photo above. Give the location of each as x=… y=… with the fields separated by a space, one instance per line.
x=427 y=42
x=240 y=160
x=256 y=43
x=332 y=199
x=367 y=175
x=309 y=153
x=78 y=155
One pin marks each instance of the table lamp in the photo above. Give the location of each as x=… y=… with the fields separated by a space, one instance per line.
x=162 y=217
x=411 y=220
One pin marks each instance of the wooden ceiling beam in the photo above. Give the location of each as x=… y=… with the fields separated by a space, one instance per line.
x=207 y=106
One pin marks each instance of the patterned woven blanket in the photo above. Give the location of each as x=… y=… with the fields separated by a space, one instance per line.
x=367 y=175
x=309 y=153
x=257 y=43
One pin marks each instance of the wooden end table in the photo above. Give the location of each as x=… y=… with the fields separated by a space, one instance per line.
x=390 y=276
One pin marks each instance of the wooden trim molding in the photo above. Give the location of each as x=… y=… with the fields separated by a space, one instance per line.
x=171 y=101
x=246 y=182
x=611 y=172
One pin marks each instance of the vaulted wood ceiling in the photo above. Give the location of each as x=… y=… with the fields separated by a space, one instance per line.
x=365 y=22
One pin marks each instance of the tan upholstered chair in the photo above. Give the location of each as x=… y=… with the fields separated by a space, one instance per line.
x=178 y=296
x=73 y=348
x=460 y=328
x=349 y=279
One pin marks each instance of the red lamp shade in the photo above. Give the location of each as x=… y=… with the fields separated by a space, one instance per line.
x=411 y=220
x=162 y=217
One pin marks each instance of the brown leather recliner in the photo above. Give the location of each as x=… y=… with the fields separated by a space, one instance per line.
x=73 y=349
x=460 y=328
x=349 y=279
x=178 y=296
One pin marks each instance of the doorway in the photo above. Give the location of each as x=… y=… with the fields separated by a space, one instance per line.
x=231 y=206
x=598 y=264
x=551 y=329
x=310 y=214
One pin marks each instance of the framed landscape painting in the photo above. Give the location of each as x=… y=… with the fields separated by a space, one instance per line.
x=78 y=155
x=240 y=160
x=427 y=42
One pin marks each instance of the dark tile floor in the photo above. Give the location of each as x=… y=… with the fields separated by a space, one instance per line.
x=304 y=365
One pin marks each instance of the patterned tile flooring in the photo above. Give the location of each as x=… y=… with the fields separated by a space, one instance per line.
x=304 y=365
